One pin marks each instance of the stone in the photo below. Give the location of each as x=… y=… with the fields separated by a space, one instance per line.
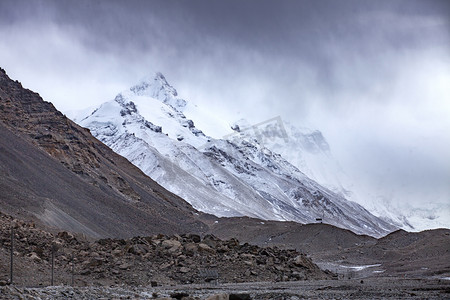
x=190 y=249
x=232 y=243
x=85 y=272
x=166 y=265
x=211 y=240
x=95 y=262
x=205 y=248
x=137 y=249
x=169 y=244
x=95 y=254
x=124 y=266
x=185 y=270
x=218 y=297
x=195 y=238
x=302 y=261
x=247 y=256
x=34 y=257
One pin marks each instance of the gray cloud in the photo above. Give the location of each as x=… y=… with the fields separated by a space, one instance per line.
x=370 y=74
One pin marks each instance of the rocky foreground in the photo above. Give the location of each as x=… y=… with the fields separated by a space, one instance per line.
x=373 y=288
x=153 y=260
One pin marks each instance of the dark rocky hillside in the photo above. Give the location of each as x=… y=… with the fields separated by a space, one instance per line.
x=401 y=253
x=56 y=173
x=159 y=258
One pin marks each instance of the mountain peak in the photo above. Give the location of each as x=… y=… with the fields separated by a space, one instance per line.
x=157 y=87
x=240 y=125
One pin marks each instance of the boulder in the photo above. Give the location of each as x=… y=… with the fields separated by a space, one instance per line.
x=34 y=257
x=205 y=248
x=194 y=237
x=211 y=240
x=138 y=249
x=190 y=249
x=171 y=244
x=302 y=261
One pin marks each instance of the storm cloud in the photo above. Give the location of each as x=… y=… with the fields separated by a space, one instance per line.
x=373 y=76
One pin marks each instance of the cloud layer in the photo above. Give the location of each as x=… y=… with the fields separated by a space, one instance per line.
x=372 y=75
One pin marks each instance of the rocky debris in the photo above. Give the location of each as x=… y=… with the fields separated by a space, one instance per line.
x=401 y=253
x=180 y=259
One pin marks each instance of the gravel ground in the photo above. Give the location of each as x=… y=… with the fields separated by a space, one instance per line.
x=369 y=288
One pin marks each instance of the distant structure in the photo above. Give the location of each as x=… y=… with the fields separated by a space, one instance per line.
x=320 y=219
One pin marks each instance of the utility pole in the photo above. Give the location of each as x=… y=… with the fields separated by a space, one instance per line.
x=53 y=261
x=72 y=270
x=12 y=254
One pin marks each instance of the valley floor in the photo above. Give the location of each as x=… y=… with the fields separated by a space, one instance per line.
x=368 y=288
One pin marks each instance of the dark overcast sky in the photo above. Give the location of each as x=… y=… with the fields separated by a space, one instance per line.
x=374 y=76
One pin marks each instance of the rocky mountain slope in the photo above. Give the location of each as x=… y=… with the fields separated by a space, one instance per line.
x=177 y=259
x=400 y=253
x=56 y=173
x=190 y=258
x=226 y=178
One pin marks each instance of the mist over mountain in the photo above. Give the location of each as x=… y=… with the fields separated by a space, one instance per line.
x=371 y=76
x=223 y=177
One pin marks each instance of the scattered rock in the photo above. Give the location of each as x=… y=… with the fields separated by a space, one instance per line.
x=143 y=260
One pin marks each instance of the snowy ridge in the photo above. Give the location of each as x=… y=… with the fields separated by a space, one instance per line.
x=309 y=151
x=304 y=148
x=234 y=177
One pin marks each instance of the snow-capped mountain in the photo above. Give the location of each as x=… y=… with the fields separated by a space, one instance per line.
x=309 y=151
x=223 y=177
x=304 y=148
